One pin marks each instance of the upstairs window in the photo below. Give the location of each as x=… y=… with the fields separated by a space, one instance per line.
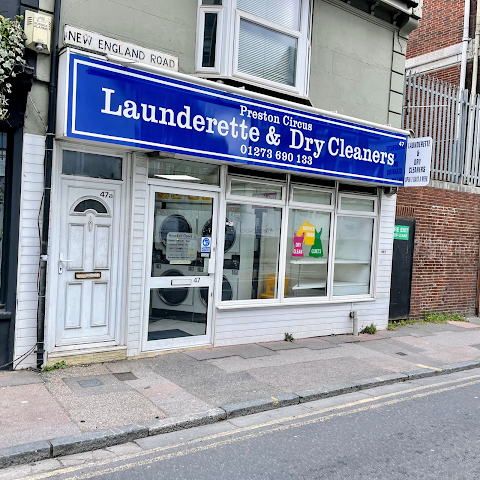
x=260 y=42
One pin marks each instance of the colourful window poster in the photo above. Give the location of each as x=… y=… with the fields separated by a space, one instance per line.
x=309 y=231
x=298 y=245
x=317 y=249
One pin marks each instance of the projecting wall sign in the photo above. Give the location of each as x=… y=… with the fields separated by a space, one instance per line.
x=94 y=42
x=419 y=159
x=115 y=104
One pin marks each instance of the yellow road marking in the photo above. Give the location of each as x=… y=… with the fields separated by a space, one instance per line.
x=238 y=431
x=276 y=401
x=426 y=366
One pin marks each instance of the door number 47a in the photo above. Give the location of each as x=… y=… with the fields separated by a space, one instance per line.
x=106 y=194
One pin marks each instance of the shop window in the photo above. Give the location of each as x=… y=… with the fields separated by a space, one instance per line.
x=91 y=165
x=327 y=240
x=183 y=171
x=353 y=254
x=263 y=42
x=253 y=259
x=307 y=253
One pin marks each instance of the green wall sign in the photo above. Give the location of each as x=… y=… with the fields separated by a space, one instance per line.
x=401 y=232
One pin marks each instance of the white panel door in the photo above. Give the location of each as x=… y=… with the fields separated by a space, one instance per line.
x=88 y=264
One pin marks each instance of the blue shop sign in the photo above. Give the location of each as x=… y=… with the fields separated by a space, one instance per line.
x=119 y=105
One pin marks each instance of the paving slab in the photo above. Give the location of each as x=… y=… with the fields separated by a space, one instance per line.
x=22 y=377
x=28 y=406
x=342 y=338
x=463 y=324
x=281 y=345
x=366 y=337
x=97 y=385
x=304 y=376
x=391 y=346
x=209 y=353
x=98 y=412
x=249 y=351
x=315 y=343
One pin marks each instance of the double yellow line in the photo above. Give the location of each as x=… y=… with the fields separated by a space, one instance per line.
x=255 y=431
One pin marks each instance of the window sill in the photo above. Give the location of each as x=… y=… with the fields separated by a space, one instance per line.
x=295 y=303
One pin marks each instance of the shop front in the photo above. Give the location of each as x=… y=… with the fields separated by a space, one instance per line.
x=186 y=215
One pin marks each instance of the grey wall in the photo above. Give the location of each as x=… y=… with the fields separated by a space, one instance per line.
x=351 y=63
x=167 y=26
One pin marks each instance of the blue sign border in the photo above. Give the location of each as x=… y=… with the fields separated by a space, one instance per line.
x=83 y=123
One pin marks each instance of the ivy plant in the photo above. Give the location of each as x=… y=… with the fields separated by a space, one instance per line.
x=12 y=50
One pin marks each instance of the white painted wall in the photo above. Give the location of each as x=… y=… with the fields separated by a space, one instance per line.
x=29 y=248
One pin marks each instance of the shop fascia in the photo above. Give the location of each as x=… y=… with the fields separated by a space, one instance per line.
x=117 y=105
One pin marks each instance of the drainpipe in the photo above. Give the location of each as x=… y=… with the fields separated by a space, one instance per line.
x=475 y=52
x=52 y=107
x=463 y=69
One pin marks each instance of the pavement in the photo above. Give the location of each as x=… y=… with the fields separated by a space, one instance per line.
x=83 y=408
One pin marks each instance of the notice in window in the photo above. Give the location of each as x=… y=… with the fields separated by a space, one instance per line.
x=181 y=248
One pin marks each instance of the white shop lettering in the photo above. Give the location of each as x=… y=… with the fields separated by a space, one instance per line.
x=185 y=119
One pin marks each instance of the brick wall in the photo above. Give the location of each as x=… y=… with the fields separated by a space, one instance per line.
x=441 y=26
x=450 y=75
x=446 y=251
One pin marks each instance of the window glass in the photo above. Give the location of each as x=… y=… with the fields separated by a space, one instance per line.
x=288 y=15
x=353 y=254
x=311 y=196
x=90 y=204
x=357 y=204
x=183 y=171
x=251 y=261
x=91 y=165
x=179 y=224
x=307 y=253
x=209 y=40
x=257 y=190
x=211 y=2
x=265 y=53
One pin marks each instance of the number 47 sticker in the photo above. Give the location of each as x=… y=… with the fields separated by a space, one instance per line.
x=106 y=194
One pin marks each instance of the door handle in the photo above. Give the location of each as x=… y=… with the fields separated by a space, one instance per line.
x=60 y=261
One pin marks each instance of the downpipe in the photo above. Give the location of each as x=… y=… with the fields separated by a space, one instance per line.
x=49 y=142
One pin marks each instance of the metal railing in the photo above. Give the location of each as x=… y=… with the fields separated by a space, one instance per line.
x=438 y=109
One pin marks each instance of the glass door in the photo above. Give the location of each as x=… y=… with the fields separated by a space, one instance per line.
x=182 y=249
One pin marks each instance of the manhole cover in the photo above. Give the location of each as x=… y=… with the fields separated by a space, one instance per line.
x=125 y=376
x=402 y=354
x=90 y=382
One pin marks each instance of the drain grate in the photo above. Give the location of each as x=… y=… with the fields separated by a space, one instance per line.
x=125 y=376
x=402 y=354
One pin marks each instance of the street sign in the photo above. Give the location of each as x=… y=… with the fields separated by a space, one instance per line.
x=417 y=165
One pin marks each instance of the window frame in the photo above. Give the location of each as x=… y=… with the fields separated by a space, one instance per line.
x=287 y=204
x=227 y=45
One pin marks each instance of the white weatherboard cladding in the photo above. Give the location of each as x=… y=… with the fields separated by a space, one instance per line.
x=29 y=248
x=138 y=254
x=237 y=326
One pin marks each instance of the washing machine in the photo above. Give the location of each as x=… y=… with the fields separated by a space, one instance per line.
x=229 y=291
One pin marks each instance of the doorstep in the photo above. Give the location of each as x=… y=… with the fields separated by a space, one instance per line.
x=88 y=356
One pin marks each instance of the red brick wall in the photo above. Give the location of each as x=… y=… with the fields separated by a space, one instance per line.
x=445 y=263
x=441 y=26
x=450 y=75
